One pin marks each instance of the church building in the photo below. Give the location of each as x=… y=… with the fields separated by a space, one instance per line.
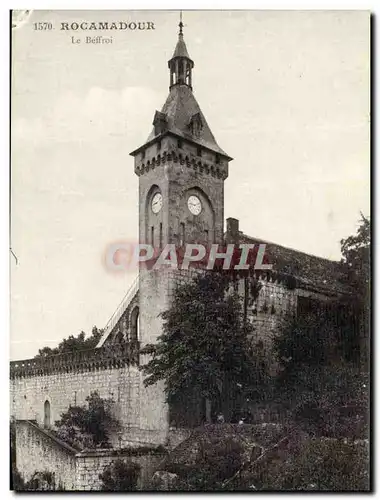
x=181 y=170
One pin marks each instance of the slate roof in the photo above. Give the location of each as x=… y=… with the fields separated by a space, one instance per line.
x=309 y=270
x=181 y=49
x=179 y=108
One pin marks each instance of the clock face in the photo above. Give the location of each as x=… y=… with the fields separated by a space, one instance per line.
x=194 y=204
x=156 y=203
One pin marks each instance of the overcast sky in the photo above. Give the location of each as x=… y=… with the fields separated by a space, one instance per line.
x=286 y=94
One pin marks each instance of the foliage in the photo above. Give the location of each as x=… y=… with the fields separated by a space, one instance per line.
x=321 y=380
x=318 y=465
x=17 y=482
x=302 y=340
x=288 y=460
x=332 y=401
x=356 y=263
x=120 y=476
x=315 y=382
x=217 y=459
x=87 y=427
x=40 y=481
x=204 y=351
x=356 y=256
x=70 y=344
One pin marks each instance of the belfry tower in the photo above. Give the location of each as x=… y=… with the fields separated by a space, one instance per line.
x=181 y=171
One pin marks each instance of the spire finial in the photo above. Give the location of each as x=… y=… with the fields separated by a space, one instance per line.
x=180 y=23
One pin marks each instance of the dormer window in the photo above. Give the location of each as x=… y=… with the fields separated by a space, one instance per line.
x=217 y=158
x=199 y=151
x=159 y=146
x=143 y=154
x=180 y=143
x=160 y=123
x=196 y=125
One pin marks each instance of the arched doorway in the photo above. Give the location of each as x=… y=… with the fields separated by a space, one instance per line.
x=135 y=330
x=47 y=414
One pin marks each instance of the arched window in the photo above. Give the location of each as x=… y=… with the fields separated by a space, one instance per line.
x=47 y=414
x=135 y=330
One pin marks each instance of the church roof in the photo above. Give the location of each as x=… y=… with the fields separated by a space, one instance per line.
x=311 y=271
x=180 y=107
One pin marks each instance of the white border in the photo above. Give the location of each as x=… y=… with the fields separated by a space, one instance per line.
x=4 y=182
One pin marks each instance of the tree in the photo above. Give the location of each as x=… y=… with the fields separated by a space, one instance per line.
x=87 y=427
x=356 y=254
x=71 y=343
x=204 y=352
x=120 y=476
x=303 y=341
x=315 y=381
x=319 y=352
x=356 y=263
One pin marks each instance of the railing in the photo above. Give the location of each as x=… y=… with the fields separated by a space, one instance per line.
x=108 y=356
x=133 y=289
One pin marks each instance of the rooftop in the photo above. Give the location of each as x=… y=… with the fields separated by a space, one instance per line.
x=309 y=269
x=180 y=107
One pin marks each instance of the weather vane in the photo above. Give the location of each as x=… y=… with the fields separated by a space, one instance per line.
x=180 y=22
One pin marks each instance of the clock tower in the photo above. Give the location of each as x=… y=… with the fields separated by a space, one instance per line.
x=181 y=171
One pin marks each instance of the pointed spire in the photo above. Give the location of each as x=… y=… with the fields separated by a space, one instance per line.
x=180 y=49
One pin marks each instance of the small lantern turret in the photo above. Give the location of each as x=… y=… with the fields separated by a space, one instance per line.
x=180 y=65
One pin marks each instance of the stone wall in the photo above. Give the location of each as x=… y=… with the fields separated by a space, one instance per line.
x=174 y=171
x=275 y=301
x=62 y=389
x=36 y=450
x=91 y=464
x=153 y=301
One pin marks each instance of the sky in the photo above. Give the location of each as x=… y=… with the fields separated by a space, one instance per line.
x=286 y=94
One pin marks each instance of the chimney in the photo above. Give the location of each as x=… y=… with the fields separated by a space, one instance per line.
x=232 y=229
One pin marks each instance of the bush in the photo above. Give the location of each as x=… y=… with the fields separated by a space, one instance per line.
x=40 y=481
x=83 y=427
x=18 y=483
x=319 y=465
x=120 y=476
x=217 y=459
x=332 y=402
